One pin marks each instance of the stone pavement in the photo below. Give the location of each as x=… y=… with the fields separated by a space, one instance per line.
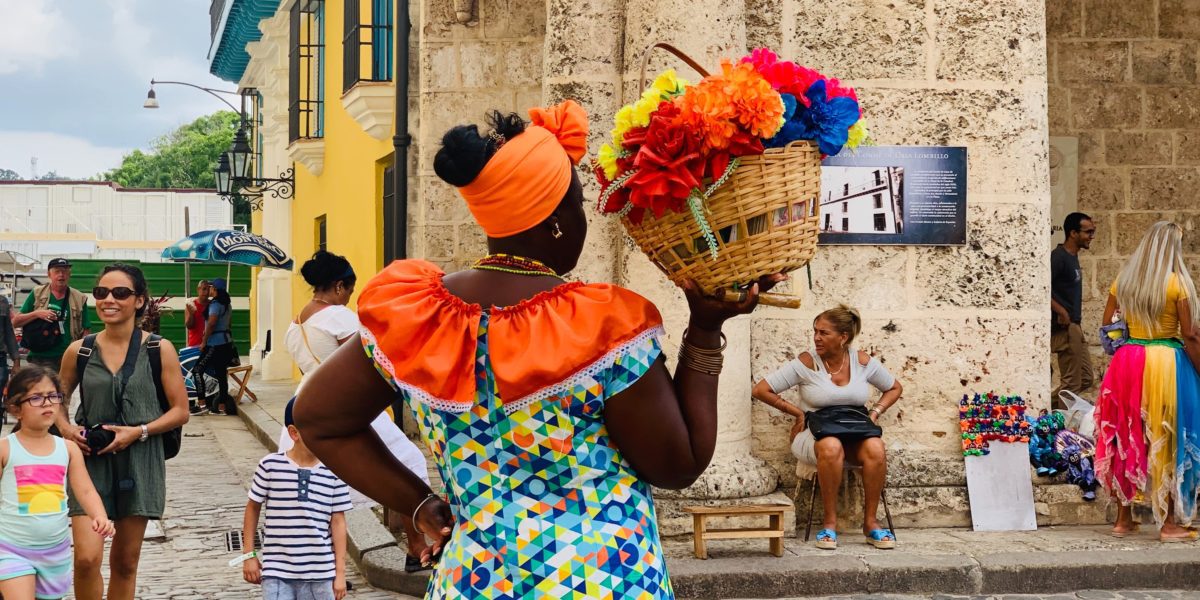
x=206 y=495
x=1051 y=560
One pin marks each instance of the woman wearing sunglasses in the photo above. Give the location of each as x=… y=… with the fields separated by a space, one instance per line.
x=118 y=395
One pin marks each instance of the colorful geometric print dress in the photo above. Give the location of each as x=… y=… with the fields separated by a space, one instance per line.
x=511 y=404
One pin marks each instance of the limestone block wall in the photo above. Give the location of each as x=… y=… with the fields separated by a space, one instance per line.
x=493 y=61
x=1123 y=80
x=945 y=320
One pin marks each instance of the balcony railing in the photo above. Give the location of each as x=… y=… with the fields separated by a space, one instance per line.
x=375 y=36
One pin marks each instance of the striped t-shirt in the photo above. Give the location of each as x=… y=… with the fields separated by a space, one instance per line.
x=299 y=503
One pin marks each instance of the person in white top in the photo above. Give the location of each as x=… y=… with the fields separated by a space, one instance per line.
x=323 y=325
x=835 y=374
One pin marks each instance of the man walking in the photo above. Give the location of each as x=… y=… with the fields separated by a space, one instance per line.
x=53 y=316
x=1066 y=302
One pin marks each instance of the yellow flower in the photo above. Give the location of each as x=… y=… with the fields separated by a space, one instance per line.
x=608 y=161
x=645 y=106
x=668 y=84
x=623 y=120
x=857 y=134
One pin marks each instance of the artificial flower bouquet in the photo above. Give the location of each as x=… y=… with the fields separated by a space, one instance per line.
x=674 y=147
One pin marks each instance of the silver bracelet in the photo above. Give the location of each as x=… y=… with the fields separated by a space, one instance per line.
x=418 y=509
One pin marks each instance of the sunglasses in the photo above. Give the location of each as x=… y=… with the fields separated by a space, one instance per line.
x=42 y=400
x=120 y=293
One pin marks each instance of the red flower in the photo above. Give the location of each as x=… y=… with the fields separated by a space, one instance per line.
x=669 y=163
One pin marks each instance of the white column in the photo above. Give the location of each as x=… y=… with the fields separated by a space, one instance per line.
x=268 y=72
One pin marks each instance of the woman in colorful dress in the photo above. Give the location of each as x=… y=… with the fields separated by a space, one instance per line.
x=546 y=404
x=1148 y=411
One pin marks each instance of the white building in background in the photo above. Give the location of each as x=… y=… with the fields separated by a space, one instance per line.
x=862 y=200
x=86 y=219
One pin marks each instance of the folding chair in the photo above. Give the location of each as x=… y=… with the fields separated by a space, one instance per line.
x=241 y=376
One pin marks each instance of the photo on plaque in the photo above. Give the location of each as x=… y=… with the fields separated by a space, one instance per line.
x=895 y=195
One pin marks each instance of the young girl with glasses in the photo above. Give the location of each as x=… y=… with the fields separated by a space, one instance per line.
x=35 y=548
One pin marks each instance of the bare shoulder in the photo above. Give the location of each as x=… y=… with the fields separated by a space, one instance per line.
x=165 y=344
x=806 y=359
x=73 y=451
x=863 y=358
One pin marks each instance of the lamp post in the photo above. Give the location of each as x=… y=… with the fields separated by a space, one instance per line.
x=234 y=178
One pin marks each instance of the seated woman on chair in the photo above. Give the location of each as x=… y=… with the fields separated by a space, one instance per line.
x=831 y=378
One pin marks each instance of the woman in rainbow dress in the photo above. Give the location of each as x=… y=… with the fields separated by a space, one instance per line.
x=1148 y=411
x=546 y=404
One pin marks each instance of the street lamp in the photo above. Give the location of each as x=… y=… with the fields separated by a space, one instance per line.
x=235 y=182
x=222 y=174
x=239 y=155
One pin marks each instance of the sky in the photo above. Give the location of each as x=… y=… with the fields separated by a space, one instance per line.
x=74 y=75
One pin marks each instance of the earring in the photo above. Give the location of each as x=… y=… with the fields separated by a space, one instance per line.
x=556 y=231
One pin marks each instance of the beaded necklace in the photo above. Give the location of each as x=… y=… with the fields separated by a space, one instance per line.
x=517 y=265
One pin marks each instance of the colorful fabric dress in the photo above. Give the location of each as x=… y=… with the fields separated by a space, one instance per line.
x=1148 y=417
x=511 y=403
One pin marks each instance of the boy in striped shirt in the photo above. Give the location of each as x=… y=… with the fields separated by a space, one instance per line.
x=304 y=541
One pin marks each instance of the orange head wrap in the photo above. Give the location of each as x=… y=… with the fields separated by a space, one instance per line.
x=528 y=176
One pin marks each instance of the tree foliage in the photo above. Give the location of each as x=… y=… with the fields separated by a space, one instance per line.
x=184 y=158
x=9 y=175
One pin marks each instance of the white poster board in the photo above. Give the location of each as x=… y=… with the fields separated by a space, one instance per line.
x=1000 y=489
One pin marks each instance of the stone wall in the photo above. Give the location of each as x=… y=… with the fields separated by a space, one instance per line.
x=951 y=320
x=1123 y=80
x=493 y=61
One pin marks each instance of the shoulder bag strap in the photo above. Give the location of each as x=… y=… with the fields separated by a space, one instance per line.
x=131 y=354
x=154 y=353
x=81 y=360
x=304 y=334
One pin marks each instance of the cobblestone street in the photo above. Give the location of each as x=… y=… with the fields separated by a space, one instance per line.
x=206 y=495
x=1083 y=595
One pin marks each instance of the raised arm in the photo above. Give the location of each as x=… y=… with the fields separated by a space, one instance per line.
x=664 y=425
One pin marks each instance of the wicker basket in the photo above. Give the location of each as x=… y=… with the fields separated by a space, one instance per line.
x=765 y=219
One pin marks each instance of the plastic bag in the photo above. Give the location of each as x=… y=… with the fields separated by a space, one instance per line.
x=1079 y=414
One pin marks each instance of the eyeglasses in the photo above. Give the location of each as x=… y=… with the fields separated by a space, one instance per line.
x=42 y=400
x=120 y=293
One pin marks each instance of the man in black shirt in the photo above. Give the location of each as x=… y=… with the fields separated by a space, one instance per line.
x=1066 y=300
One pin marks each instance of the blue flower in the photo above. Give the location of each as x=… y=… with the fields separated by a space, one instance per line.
x=792 y=130
x=827 y=120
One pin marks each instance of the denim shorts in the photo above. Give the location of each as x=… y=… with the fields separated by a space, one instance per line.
x=293 y=589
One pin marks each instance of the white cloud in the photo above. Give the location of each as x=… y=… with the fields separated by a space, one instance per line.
x=66 y=155
x=32 y=34
x=134 y=44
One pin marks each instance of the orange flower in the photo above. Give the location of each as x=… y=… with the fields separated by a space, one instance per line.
x=738 y=98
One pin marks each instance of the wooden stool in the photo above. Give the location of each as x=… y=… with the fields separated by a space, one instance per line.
x=241 y=376
x=773 y=532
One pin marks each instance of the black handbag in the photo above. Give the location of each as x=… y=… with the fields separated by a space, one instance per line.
x=843 y=422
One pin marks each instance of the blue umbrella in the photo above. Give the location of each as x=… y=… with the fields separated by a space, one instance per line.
x=230 y=247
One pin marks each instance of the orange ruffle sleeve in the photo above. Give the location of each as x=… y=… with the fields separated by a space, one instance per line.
x=424 y=339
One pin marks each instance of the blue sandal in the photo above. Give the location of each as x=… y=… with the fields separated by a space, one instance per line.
x=827 y=539
x=882 y=539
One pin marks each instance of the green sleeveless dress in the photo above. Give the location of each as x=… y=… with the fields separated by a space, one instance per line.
x=133 y=482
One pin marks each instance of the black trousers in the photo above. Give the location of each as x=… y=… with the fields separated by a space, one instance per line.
x=215 y=362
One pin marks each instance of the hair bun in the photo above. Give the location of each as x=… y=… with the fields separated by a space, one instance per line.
x=465 y=152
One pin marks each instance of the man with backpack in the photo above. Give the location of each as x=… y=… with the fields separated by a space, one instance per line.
x=52 y=317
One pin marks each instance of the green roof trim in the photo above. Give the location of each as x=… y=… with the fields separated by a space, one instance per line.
x=239 y=28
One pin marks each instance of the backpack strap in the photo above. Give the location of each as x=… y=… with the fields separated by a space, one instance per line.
x=153 y=352
x=81 y=360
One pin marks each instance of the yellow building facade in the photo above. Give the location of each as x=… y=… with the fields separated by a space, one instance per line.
x=322 y=70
